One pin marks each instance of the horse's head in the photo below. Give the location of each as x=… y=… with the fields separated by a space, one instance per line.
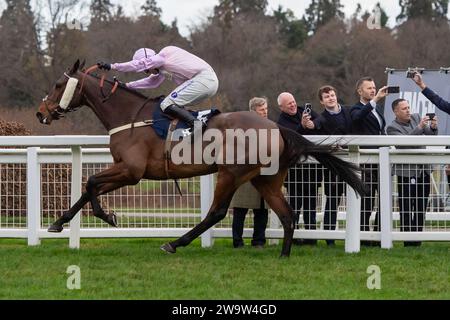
x=63 y=97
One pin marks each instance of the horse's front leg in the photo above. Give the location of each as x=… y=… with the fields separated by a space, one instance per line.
x=111 y=179
x=57 y=226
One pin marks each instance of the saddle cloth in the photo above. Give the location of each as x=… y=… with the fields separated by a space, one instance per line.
x=162 y=121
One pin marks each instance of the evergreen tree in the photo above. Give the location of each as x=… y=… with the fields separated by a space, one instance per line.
x=384 y=16
x=20 y=53
x=292 y=29
x=227 y=10
x=320 y=12
x=357 y=12
x=150 y=8
x=426 y=9
x=101 y=10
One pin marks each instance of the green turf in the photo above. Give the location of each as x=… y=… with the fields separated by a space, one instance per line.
x=138 y=269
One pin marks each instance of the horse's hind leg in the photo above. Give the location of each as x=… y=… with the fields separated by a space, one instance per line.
x=270 y=188
x=223 y=194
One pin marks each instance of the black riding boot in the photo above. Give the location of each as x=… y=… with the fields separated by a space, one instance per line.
x=182 y=114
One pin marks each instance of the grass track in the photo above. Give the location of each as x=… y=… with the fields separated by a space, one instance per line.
x=138 y=269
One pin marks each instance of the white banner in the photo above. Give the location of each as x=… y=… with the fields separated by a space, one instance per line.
x=436 y=80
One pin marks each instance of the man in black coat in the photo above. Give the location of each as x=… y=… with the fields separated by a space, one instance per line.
x=334 y=120
x=368 y=118
x=303 y=180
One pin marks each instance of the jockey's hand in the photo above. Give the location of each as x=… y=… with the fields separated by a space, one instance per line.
x=123 y=84
x=104 y=66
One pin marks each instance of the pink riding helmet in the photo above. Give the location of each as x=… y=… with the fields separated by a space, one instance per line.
x=143 y=53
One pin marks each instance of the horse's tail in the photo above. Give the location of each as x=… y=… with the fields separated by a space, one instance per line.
x=296 y=147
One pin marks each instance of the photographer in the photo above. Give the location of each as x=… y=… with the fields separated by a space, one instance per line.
x=295 y=117
x=368 y=119
x=302 y=180
x=334 y=120
x=430 y=94
x=413 y=180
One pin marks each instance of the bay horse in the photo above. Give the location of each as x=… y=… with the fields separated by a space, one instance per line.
x=138 y=153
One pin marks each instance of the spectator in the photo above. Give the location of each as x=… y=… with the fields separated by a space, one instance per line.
x=247 y=197
x=334 y=120
x=438 y=102
x=431 y=95
x=369 y=120
x=413 y=181
x=302 y=181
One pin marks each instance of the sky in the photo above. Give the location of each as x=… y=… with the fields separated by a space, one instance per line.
x=192 y=12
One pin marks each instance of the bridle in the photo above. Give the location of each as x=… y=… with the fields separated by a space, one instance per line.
x=59 y=111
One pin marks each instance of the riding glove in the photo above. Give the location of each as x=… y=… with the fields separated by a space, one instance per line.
x=104 y=66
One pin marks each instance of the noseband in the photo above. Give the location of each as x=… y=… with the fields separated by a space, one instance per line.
x=67 y=97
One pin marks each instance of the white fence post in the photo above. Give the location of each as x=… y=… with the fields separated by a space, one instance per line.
x=33 y=196
x=353 y=214
x=74 y=237
x=206 y=200
x=385 y=199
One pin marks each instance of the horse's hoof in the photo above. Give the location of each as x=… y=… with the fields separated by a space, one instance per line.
x=55 y=228
x=167 y=247
x=112 y=220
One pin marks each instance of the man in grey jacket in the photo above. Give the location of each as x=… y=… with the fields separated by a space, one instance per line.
x=413 y=180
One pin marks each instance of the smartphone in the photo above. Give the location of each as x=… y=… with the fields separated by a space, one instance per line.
x=393 y=90
x=431 y=115
x=308 y=108
x=411 y=74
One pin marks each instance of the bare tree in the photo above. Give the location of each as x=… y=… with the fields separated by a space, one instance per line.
x=424 y=43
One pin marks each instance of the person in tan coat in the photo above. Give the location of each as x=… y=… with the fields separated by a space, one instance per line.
x=247 y=197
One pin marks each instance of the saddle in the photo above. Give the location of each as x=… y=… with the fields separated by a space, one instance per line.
x=163 y=122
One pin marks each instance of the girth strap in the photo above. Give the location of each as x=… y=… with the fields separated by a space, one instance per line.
x=167 y=149
x=131 y=125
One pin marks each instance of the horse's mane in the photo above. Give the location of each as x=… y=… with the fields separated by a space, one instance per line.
x=124 y=87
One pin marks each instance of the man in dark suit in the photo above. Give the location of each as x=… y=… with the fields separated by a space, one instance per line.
x=303 y=180
x=368 y=118
x=334 y=120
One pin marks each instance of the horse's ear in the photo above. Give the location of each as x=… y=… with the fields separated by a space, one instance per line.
x=83 y=63
x=75 y=67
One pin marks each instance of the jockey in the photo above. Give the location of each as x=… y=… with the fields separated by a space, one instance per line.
x=195 y=78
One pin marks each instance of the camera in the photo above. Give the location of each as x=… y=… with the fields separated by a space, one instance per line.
x=393 y=89
x=308 y=108
x=431 y=115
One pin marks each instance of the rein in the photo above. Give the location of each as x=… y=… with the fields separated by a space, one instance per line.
x=102 y=83
x=133 y=124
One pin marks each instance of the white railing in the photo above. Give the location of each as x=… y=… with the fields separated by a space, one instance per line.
x=35 y=152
